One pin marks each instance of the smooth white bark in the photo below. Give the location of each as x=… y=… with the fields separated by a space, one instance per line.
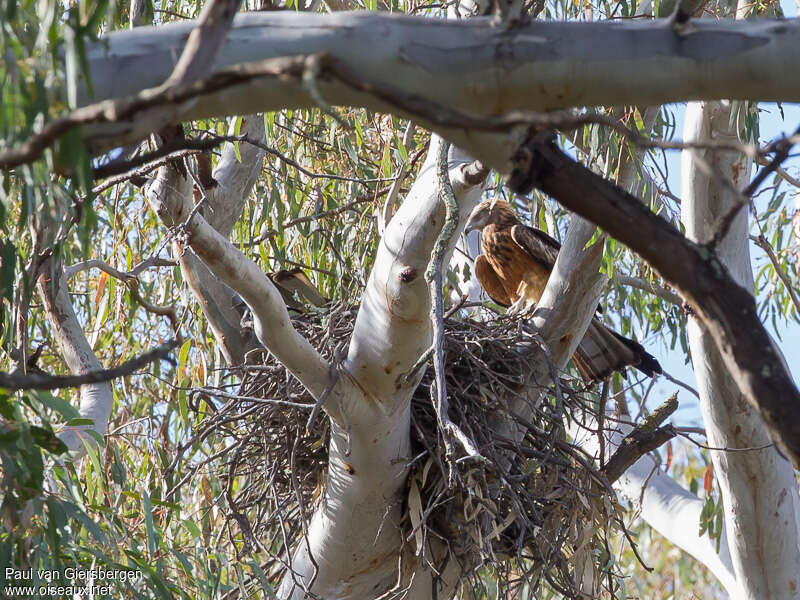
x=354 y=536
x=468 y=65
x=270 y=316
x=96 y=399
x=759 y=488
x=170 y=194
x=393 y=329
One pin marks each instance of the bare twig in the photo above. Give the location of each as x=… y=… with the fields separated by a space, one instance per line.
x=21 y=381
x=433 y=276
x=761 y=242
x=175 y=148
x=781 y=147
x=649 y=286
x=96 y=263
x=763 y=161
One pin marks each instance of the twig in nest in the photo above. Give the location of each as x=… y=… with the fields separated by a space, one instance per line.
x=333 y=377
x=433 y=276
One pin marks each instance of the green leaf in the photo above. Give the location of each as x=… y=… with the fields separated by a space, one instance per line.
x=79 y=422
x=45 y=438
x=8 y=263
x=152 y=540
x=194 y=530
x=182 y=356
x=61 y=406
x=237 y=126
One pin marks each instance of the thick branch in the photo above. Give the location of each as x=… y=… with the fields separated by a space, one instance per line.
x=96 y=399
x=727 y=310
x=169 y=194
x=205 y=41
x=270 y=317
x=636 y=62
x=662 y=503
x=614 y=63
x=392 y=329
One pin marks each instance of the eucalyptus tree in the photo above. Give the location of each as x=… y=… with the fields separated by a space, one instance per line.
x=293 y=153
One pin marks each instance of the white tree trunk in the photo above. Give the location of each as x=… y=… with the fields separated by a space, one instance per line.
x=353 y=547
x=96 y=399
x=758 y=487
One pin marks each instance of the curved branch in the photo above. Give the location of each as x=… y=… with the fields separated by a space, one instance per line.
x=651 y=287
x=662 y=503
x=42 y=381
x=726 y=309
x=392 y=329
x=270 y=316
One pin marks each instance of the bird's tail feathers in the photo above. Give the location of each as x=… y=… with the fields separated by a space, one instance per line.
x=603 y=351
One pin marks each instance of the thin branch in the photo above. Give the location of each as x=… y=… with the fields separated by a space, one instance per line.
x=321 y=215
x=649 y=286
x=433 y=276
x=175 y=148
x=147 y=168
x=291 y=162
x=781 y=172
x=96 y=263
x=782 y=148
x=164 y=311
x=761 y=242
x=38 y=381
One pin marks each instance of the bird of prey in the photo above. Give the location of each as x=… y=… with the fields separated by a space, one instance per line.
x=514 y=268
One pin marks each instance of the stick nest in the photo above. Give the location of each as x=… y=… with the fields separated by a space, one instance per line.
x=534 y=511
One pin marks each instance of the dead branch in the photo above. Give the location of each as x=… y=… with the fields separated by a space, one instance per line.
x=39 y=381
x=725 y=308
x=645 y=437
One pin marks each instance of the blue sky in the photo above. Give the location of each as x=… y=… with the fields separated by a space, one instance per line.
x=771 y=125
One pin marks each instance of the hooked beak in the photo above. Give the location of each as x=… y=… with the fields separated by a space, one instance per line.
x=473 y=223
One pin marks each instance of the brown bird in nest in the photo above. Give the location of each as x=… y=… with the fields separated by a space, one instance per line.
x=514 y=268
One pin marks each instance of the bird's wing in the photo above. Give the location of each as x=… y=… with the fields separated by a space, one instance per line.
x=537 y=244
x=490 y=282
x=295 y=280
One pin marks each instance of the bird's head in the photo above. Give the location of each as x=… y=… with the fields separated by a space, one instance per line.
x=490 y=212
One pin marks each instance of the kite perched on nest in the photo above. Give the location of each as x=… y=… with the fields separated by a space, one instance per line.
x=514 y=268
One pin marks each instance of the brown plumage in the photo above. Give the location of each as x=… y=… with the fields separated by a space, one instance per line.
x=514 y=268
